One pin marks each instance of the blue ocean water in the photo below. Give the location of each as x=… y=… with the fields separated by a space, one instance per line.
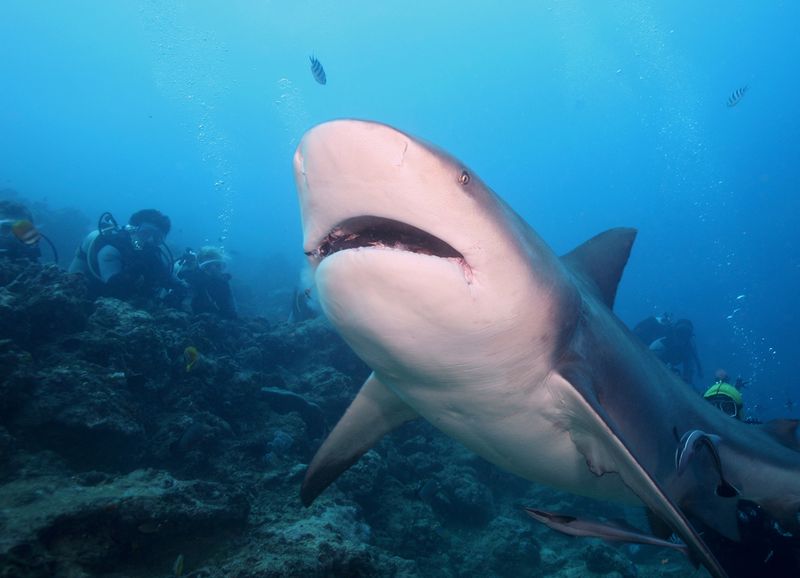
x=582 y=115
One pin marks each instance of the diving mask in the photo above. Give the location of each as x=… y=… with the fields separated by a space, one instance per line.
x=725 y=404
x=146 y=235
x=212 y=266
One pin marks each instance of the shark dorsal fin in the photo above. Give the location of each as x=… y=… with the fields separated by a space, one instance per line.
x=601 y=260
x=784 y=431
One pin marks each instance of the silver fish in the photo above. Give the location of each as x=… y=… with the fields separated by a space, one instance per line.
x=317 y=71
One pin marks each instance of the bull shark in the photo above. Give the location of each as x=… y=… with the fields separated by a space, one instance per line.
x=469 y=320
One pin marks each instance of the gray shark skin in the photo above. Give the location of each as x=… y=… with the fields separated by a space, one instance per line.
x=470 y=321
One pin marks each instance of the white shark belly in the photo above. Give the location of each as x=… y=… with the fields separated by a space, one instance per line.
x=526 y=434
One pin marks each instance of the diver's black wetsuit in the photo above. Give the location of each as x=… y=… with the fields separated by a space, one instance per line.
x=210 y=293
x=764 y=550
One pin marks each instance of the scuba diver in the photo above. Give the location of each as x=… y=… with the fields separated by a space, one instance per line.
x=301 y=307
x=726 y=397
x=673 y=343
x=203 y=274
x=19 y=238
x=127 y=262
x=679 y=351
x=729 y=398
x=653 y=328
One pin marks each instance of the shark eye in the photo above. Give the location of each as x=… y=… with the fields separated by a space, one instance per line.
x=464 y=178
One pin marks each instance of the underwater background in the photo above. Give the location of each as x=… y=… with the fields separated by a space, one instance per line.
x=582 y=115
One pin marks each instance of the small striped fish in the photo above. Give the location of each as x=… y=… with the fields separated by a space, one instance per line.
x=736 y=96
x=26 y=232
x=317 y=70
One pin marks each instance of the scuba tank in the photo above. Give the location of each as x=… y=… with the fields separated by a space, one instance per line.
x=107 y=224
x=26 y=233
x=109 y=232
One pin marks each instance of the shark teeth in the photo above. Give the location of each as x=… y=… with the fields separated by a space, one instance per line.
x=379 y=232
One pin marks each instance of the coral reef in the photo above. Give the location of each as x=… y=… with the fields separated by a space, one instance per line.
x=117 y=457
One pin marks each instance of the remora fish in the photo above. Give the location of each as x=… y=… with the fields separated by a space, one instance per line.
x=688 y=445
x=469 y=320
x=615 y=532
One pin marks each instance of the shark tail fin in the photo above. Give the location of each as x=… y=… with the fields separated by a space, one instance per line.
x=375 y=411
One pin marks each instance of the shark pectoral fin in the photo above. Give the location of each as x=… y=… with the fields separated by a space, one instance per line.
x=602 y=441
x=602 y=259
x=375 y=411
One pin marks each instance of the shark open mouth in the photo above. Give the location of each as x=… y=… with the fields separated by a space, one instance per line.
x=369 y=231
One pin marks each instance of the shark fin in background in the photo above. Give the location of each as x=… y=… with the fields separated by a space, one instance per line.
x=601 y=260
x=375 y=411
x=784 y=431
